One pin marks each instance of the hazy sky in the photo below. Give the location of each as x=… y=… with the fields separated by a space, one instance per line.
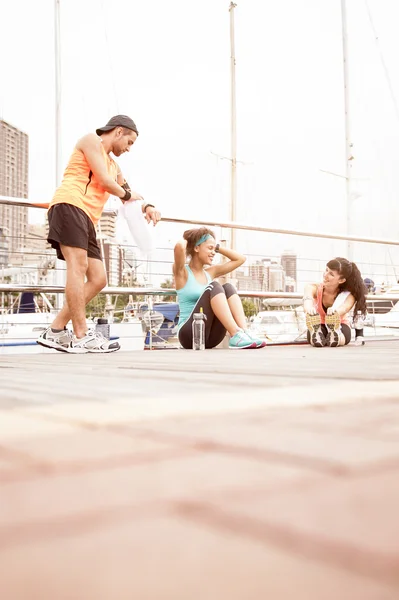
x=167 y=65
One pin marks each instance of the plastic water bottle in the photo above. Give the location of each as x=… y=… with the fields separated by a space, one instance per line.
x=198 y=331
x=359 y=324
x=102 y=326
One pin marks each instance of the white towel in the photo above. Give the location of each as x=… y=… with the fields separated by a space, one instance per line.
x=339 y=300
x=141 y=231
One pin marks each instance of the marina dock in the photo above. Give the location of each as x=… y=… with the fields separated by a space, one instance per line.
x=180 y=475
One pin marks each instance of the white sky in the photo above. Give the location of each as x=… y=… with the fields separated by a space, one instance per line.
x=167 y=65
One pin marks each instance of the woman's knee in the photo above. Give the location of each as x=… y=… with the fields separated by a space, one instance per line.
x=215 y=288
x=229 y=289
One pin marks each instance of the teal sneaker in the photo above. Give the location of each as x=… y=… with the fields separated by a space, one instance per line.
x=259 y=343
x=241 y=340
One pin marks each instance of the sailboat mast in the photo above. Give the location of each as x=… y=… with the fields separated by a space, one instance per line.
x=57 y=36
x=60 y=265
x=233 y=191
x=348 y=143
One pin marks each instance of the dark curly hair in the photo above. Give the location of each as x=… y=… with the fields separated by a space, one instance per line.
x=193 y=235
x=354 y=282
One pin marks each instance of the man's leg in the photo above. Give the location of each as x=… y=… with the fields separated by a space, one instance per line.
x=96 y=280
x=77 y=264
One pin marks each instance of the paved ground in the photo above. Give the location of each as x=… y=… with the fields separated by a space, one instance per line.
x=222 y=475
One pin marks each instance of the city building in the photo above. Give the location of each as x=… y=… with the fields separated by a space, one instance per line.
x=277 y=277
x=244 y=282
x=14 y=148
x=37 y=239
x=113 y=262
x=256 y=273
x=3 y=248
x=290 y=284
x=106 y=227
x=289 y=264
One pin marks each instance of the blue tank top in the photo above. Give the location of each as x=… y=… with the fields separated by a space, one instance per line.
x=189 y=294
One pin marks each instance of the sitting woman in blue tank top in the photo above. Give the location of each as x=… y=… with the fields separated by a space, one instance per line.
x=196 y=289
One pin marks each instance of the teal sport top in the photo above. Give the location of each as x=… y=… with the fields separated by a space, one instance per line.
x=189 y=294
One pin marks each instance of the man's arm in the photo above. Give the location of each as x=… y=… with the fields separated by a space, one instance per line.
x=90 y=145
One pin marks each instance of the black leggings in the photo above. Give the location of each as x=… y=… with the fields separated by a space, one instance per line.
x=346 y=330
x=214 y=330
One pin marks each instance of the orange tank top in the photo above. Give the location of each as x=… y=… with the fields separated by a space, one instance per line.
x=320 y=308
x=80 y=187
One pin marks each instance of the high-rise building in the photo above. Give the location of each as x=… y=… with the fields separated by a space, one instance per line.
x=113 y=262
x=3 y=249
x=277 y=277
x=13 y=182
x=289 y=284
x=288 y=262
x=106 y=227
x=245 y=282
x=259 y=273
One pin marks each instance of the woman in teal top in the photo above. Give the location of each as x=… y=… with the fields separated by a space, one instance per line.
x=196 y=289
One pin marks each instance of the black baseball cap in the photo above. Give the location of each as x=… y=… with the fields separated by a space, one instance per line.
x=118 y=121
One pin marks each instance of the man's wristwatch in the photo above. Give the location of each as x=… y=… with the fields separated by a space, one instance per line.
x=217 y=247
x=127 y=196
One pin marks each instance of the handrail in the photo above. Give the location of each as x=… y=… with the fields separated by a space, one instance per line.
x=232 y=225
x=153 y=291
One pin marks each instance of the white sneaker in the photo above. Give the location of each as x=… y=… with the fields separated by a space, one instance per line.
x=57 y=340
x=93 y=341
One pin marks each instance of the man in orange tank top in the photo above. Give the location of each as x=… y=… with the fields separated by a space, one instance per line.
x=90 y=177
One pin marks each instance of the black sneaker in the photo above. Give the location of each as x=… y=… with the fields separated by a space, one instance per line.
x=333 y=324
x=317 y=338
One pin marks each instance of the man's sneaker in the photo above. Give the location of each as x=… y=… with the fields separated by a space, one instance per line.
x=317 y=338
x=93 y=341
x=259 y=343
x=333 y=324
x=241 y=340
x=57 y=340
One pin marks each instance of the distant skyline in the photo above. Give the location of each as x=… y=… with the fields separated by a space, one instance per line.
x=170 y=70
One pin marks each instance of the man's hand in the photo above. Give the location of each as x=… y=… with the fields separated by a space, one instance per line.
x=136 y=196
x=152 y=214
x=133 y=195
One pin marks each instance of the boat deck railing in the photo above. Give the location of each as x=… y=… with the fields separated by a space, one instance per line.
x=18 y=281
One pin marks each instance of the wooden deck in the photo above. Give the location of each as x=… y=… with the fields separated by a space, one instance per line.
x=176 y=475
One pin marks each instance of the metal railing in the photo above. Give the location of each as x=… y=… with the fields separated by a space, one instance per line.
x=157 y=291
x=292 y=299
x=232 y=225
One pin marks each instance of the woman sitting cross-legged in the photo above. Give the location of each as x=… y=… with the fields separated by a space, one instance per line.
x=327 y=304
x=196 y=289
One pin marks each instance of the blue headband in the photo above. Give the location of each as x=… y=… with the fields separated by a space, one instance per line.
x=203 y=239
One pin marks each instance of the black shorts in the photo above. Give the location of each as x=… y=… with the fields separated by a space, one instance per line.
x=70 y=226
